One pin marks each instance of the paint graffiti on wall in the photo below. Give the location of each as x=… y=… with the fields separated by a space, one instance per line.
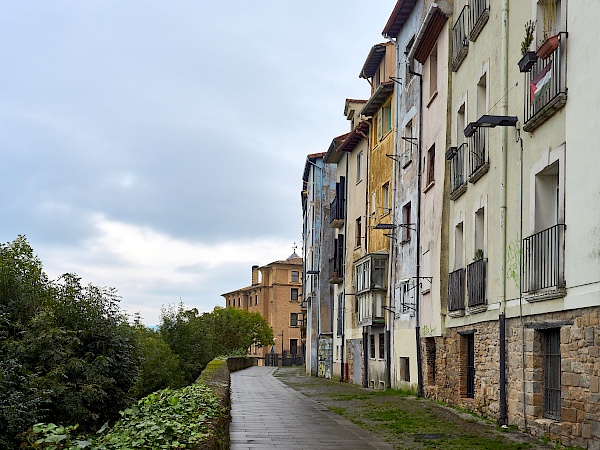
x=325 y=357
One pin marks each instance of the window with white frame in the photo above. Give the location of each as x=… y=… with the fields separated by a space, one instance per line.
x=359 y=166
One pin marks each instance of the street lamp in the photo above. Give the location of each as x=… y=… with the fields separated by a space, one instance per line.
x=489 y=121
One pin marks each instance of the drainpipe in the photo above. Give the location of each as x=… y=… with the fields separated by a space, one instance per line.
x=393 y=237
x=502 y=420
x=344 y=274
x=418 y=233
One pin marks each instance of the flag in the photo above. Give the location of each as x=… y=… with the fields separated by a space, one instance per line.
x=540 y=83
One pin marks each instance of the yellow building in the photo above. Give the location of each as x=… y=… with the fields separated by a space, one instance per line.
x=276 y=293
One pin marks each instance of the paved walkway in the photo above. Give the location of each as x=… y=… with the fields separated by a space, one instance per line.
x=265 y=413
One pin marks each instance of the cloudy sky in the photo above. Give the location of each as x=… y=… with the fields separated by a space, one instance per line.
x=158 y=146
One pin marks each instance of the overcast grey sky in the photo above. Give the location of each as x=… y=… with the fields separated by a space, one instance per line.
x=157 y=146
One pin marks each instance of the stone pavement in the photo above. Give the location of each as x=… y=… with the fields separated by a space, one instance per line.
x=265 y=413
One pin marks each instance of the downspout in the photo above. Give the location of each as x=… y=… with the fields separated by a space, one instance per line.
x=502 y=420
x=365 y=333
x=393 y=237
x=418 y=233
x=343 y=368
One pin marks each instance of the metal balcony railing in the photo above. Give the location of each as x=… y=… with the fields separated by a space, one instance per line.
x=543 y=259
x=456 y=290
x=477 y=151
x=460 y=42
x=337 y=212
x=479 y=12
x=476 y=275
x=550 y=77
x=457 y=168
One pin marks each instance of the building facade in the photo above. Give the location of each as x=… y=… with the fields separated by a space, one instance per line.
x=275 y=293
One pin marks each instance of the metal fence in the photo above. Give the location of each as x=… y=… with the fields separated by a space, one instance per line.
x=543 y=259
x=456 y=290
x=476 y=276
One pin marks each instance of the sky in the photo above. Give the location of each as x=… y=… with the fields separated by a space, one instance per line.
x=157 y=147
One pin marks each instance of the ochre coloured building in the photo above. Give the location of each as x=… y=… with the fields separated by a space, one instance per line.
x=276 y=293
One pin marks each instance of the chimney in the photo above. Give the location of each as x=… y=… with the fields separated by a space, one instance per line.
x=254 y=275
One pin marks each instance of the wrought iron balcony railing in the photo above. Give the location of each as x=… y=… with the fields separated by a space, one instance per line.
x=457 y=169
x=456 y=290
x=337 y=212
x=479 y=12
x=460 y=42
x=476 y=285
x=543 y=259
x=478 y=155
x=546 y=86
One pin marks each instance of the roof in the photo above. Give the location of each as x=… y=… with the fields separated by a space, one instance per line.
x=310 y=159
x=290 y=261
x=349 y=101
x=333 y=156
x=354 y=137
x=428 y=33
x=398 y=17
x=377 y=98
x=374 y=58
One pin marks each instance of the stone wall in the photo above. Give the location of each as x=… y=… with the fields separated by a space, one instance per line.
x=579 y=423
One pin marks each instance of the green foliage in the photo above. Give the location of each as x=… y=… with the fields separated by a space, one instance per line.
x=165 y=419
x=199 y=338
x=68 y=354
x=159 y=365
x=528 y=39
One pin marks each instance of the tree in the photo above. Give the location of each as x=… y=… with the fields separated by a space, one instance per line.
x=236 y=329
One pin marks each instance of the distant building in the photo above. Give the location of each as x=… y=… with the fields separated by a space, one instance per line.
x=277 y=298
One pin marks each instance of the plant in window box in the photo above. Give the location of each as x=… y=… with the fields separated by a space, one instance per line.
x=550 y=37
x=528 y=58
x=478 y=255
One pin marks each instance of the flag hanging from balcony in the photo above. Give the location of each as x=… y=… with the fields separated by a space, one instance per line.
x=539 y=85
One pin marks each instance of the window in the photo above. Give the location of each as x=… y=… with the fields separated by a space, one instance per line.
x=430 y=355
x=467 y=370
x=381 y=345
x=405 y=368
x=379 y=280
x=294 y=295
x=460 y=125
x=479 y=234
x=409 y=142
x=459 y=261
x=293 y=319
x=406 y=221
x=406 y=300
x=372 y=345
x=385 y=194
x=433 y=62
x=482 y=96
x=256 y=299
x=431 y=165
x=358 y=232
x=340 y=315
x=239 y=302
x=293 y=347
x=295 y=276
x=359 y=166
x=384 y=120
x=552 y=391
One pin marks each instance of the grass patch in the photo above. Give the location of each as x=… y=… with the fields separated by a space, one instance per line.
x=337 y=409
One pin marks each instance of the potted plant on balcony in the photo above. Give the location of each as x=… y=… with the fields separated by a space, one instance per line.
x=478 y=255
x=528 y=58
x=550 y=37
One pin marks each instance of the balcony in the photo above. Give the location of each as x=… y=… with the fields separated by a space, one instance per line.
x=458 y=179
x=460 y=43
x=456 y=293
x=476 y=286
x=337 y=212
x=478 y=155
x=371 y=309
x=479 y=12
x=544 y=264
x=546 y=86
x=337 y=262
